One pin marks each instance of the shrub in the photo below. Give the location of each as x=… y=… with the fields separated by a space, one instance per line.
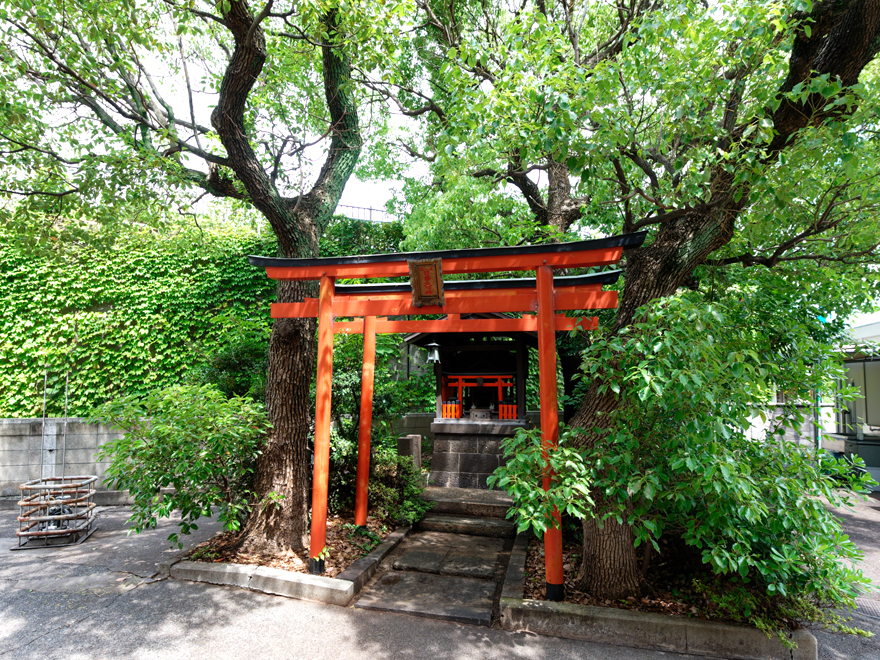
x=238 y=362
x=674 y=458
x=523 y=474
x=395 y=488
x=192 y=440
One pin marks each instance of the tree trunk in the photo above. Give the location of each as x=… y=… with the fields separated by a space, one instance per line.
x=610 y=566
x=278 y=522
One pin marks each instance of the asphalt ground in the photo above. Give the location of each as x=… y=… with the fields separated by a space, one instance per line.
x=101 y=600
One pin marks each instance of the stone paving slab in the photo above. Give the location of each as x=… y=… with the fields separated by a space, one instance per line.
x=471 y=562
x=426 y=560
x=461 y=599
x=450 y=540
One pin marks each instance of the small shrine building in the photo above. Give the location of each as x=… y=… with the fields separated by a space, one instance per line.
x=477 y=346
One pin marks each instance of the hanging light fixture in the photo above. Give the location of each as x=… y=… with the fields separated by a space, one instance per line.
x=433 y=352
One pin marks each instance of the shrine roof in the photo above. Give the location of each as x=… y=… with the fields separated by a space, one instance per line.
x=622 y=241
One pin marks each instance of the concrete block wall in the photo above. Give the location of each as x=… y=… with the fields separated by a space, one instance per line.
x=25 y=445
x=464 y=461
x=415 y=424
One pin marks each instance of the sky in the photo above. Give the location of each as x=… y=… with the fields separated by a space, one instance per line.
x=368 y=194
x=864 y=319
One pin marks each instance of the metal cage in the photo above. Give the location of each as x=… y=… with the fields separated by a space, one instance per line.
x=54 y=509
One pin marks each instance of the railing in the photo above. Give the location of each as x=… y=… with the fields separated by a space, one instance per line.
x=451 y=410
x=506 y=411
x=366 y=213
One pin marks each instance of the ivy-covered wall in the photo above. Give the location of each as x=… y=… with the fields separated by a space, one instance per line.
x=121 y=319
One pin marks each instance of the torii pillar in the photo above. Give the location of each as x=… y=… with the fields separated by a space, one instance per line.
x=555 y=582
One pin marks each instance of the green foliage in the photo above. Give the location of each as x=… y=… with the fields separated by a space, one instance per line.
x=92 y=111
x=363 y=537
x=395 y=393
x=346 y=236
x=481 y=216
x=192 y=440
x=675 y=458
x=238 y=360
x=121 y=318
x=343 y=472
x=395 y=487
x=523 y=475
x=681 y=96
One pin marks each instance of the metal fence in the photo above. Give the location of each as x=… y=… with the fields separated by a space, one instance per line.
x=365 y=213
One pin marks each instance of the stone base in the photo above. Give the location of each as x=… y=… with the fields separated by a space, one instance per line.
x=466 y=453
x=493 y=427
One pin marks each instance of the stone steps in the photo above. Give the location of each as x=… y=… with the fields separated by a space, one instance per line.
x=468 y=501
x=471 y=525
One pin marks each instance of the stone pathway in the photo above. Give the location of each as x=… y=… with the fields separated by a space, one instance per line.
x=451 y=567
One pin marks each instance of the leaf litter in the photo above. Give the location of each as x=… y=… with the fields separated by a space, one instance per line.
x=346 y=543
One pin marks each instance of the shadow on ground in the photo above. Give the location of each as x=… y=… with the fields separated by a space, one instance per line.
x=98 y=601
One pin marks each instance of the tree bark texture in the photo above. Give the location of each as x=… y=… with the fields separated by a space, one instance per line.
x=845 y=36
x=278 y=522
x=611 y=567
x=283 y=468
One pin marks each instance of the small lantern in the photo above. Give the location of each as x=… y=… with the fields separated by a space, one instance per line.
x=433 y=352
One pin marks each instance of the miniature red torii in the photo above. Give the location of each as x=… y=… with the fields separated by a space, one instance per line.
x=542 y=295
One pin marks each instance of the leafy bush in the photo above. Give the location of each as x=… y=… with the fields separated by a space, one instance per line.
x=675 y=458
x=238 y=362
x=395 y=489
x=343 y=472
x=192 y=440
x=523 y=474
x=347 y=236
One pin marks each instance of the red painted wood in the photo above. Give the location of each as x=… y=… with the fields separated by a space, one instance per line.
x=479 y=294
x=342 y=307
x=321 y=476
x=505 y=263
x=366 y=422
x=506 y=411
x=524 y=324
x=549 y=412
x=452 y=410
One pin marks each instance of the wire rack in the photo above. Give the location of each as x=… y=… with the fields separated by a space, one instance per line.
x=55 y=512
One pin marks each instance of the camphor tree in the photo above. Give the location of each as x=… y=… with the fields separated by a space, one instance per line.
x=100 y=105
x=736 y=132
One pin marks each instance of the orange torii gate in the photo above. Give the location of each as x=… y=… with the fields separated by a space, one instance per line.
x=368 y=302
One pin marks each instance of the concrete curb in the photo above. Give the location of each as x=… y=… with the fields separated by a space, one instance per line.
x=163 y=568
x=336 y=591
x=515 y=579
x=640 y=629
